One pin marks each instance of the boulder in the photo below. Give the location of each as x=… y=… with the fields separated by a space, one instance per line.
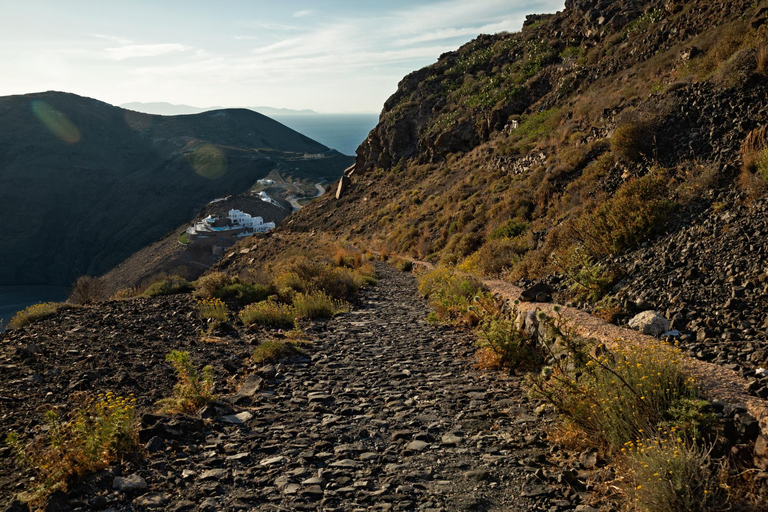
x=344 y=183
x=650 y=322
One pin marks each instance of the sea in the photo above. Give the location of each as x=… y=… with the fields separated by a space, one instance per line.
x=342 y=132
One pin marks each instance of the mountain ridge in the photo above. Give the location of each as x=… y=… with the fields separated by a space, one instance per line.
x=114 y=179
x=165 y=108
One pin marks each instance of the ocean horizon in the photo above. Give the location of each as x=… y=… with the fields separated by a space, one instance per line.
x=342 y=132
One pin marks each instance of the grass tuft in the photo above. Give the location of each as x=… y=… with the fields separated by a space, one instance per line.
x=193 y=390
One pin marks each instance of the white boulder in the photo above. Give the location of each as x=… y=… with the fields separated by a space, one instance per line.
x=650 y=323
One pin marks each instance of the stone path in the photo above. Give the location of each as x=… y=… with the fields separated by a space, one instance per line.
x=386 y=413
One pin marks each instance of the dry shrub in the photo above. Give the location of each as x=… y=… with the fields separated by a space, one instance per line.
x=754 y=163
x=86 y=290
x=34 y=313
x=273 y=350
x=638 y=210
x=90 y=439
x=737 y=69
x=496 y=256
x=269 y=314
x=634 y=140
x=209 y=284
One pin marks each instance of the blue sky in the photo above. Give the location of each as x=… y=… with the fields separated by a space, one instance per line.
x=330 y=56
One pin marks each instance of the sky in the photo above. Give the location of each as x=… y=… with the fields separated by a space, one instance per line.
x=328 y=56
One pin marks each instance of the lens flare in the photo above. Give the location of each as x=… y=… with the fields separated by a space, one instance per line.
x=208 y=161
x=56 y=122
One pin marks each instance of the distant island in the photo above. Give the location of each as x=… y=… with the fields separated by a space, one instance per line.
x=162 y=108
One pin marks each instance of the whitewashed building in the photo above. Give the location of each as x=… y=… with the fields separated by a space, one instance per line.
x=236 y=224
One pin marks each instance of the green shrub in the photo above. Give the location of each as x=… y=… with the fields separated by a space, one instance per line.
x=168 y=285
x=193 y=390
x=317 y=305
x=209 y=284
x=510 y=229
x=244 y=293
x=34 y=313
x=269 y=314
x=273 y=350
x=638 y=210
x=672 y=474
x=511 y=346
x=621 y=395
x=452 y=295
x=93 y=437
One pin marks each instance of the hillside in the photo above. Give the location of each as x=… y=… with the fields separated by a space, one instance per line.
x=83 y=184
x=616 y=150
x=608 y=160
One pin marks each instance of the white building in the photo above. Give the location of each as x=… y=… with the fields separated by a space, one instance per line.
x=256 y=224
x=236 y=224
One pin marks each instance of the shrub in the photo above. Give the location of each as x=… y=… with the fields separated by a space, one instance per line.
x=621 y=395
x=273 y=350
x=404 y=265
x=213 y=309
x=193 y=390
x=34 y=313
x=671 y=474
x=511 y=346
x=452 y=295
x=86 y=290
x=269 y=314
x=510 y=229
x=95 y=435
x=167 y=285
x=338 y=283
x=317 y=305
x=209 y=284
x=633 y=141
x=244 y=293
x=495 y=257
x=638 y=210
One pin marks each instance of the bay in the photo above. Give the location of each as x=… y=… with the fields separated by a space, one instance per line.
x=342 y=132
x=15 y=298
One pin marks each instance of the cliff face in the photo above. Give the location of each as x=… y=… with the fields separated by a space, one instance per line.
x=83 y=184
x=468 y=96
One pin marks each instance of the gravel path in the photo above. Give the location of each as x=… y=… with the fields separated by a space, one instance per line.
x=383 y=412
x=387 y=413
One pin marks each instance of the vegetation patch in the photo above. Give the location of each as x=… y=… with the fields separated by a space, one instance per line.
x=87 y=440
x=273 y=350
x=268 y=313
x=34 y=313
x=167 y=285
x=454 y=296
x=317 y=304
x=193 y=390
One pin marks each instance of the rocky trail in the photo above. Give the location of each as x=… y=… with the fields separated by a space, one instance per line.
x=384 y=411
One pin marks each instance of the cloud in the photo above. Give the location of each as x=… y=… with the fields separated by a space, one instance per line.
x=144 y=50
x=113 y=39
x=302 y=13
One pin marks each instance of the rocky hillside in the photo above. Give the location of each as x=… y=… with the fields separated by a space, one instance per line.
x=616 y=150
x=83 y=184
